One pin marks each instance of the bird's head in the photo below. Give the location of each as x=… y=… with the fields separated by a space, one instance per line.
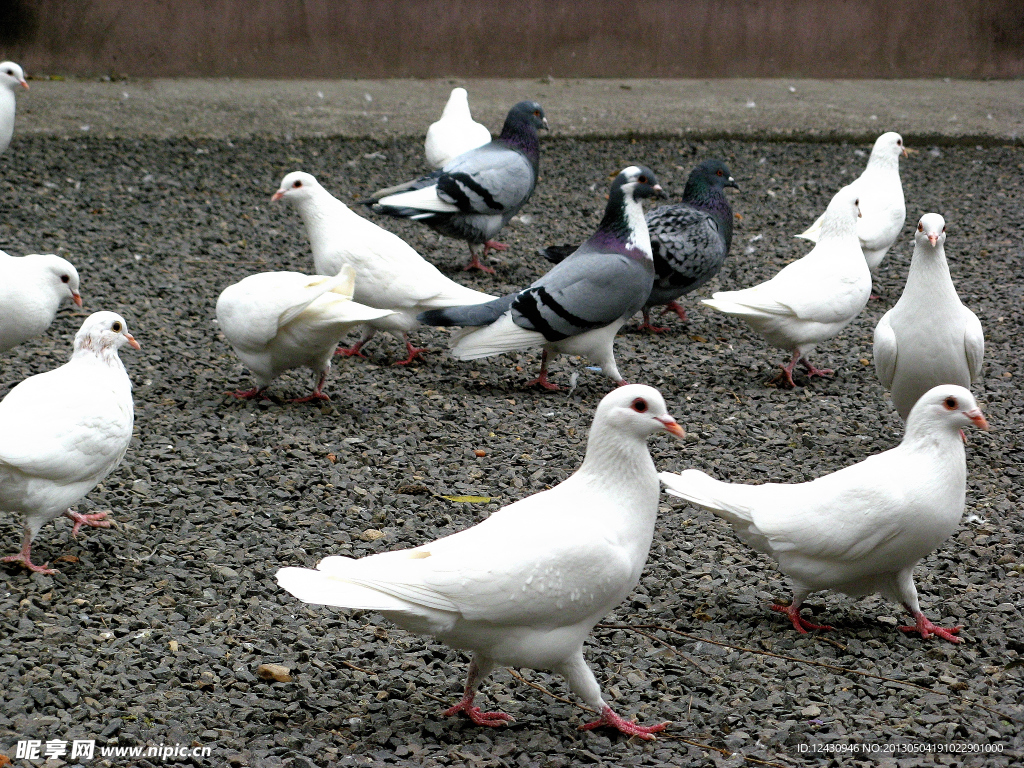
x=931 y=229
x=946 y=406
x=296 y=186
x=12 y=75
x=889 y=145
x=638 y=410
x=61 y=275
x=529 y=112
x=715 y=173
x=104 y=332
x=638 y=182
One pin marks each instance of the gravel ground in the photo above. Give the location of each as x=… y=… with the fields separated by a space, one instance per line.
x=153 y=632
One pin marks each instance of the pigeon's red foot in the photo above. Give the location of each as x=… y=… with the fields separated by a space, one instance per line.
x=784 y=378
x=542 y=381
x=491 y=719
x=352 y=351
x=812 y=371
x=927 y=629
x=256 y=393
x=312 y=397
x=494 y=245
x=622 y=383
x=414 y=353
x=475 y=263
x=95 y=520
x=647 y=325
x=800 y=624
x=26 y=561
x=679 y=310
x=609 y=719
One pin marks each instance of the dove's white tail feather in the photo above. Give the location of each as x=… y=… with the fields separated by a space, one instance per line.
x=325 y=589
x=813 y=231
x=503 y=335
x=704 y=491
x=424 y=199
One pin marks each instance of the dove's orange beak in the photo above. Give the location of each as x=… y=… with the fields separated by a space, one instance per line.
x=24 y=85
x=905 y=153
x=77 y=298
x=672 y=427
x=977 y=418
x=132 y=342
x=276 y=196
x=933 y=239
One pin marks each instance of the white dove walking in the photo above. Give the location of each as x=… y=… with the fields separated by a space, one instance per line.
x=32 y=288
x=12 y=77
x=63 y=431
x=929 y=337
x=882 y=206
x=389 y=273
x=525 y=587
x=277 y=321
x=813 y=298
x=862 y=529
x=455 y=133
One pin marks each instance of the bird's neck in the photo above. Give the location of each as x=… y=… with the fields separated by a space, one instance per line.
x=522 y=137
x=929 y=273
x=623 y=227
x=319 y=213
x=883 y=163
x=85 y=352
x=712 y=200
x=926 y=437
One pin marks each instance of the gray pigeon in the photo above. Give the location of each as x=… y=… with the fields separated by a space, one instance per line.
x=689 y=241
x=478 y=192
x=579 y=306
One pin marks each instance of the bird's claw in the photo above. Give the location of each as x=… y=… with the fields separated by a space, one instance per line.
x=490 y=719
x=94 y=520
x=22 y=558
x=927 y=629
x=475 y=263
x=609 y=719
x=800 y=624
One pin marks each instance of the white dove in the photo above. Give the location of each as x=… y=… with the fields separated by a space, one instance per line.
x=276 y=321
x=389 y=273
x=862 y=529
x=32 y=288
x=929 y=337
x=813 y=298
x=455 y=133
x=883 y=210
x=63 y=431
x=11 y=78
x=525 y=587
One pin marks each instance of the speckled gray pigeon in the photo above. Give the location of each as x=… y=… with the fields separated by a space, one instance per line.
x=689 y=240
x=477 y=193
x=579 y=306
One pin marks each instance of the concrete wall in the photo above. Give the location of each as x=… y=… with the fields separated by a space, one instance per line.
x=516 y=38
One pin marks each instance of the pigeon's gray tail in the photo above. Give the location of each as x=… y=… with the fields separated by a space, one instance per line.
x=469 y=315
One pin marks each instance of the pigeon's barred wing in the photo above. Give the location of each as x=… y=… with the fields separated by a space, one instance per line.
x=885 y=350
x=587 y=291
x=489 y=180
x=84 y=434
x=686 y=243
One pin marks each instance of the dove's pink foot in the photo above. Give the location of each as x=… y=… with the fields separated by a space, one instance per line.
x=679 y=310
x=494 y=245
x=352 y=351
x=414 y=352
x=812 y=371
x=256 y=393
x=25 y=559
x=647 y=325
x=784 y=378
x=800 y=624
x=927 y=629
x=95 y=520
x=609 y=719
x=622 y=383
x=317 y=395
x=491 y=719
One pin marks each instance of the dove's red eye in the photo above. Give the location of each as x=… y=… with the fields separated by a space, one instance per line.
x=950 y=403
x=642 y=179
x=719 y=172
x=65 y=279
x=639 y=405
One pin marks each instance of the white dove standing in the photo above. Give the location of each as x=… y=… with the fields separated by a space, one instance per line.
x=455 y=133
x=389 y=273
x=883 y=210
x=32 y=288
x=11 y=78
x=63 y=431
x=525 y=587
x=813 y=298
x=277 y=321
x=929 y=337
x=860 y=530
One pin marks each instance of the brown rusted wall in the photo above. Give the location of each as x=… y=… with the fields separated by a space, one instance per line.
x=516 y=38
